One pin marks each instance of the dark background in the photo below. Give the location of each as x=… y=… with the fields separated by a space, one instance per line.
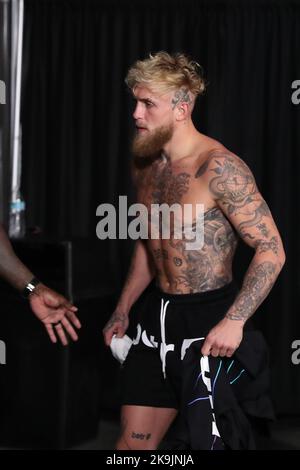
x=77 y=126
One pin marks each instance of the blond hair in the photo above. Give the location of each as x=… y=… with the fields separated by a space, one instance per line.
x=163 y=73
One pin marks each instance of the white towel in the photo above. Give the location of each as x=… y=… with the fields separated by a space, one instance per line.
x=120 y=347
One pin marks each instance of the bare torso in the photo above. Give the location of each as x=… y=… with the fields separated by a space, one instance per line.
x=180 y=270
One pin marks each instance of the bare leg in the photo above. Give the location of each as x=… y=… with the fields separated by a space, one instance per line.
x=143 y=427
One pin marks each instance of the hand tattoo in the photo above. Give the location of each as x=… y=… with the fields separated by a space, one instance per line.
x=116 y=318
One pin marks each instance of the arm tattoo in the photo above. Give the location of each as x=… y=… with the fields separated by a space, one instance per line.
x=11 y=267
x=234 y=185
x=263 y=230
x=181 y=96
x=258 y=213
x=263 y=246
x=141 y=436
x=235 y=188
x=257 y=284
x=116 y=318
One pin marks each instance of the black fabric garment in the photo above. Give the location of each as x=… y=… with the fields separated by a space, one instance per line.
x=166 y=326
x=239 y=389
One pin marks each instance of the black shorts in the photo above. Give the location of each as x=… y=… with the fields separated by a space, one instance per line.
x=167 y=325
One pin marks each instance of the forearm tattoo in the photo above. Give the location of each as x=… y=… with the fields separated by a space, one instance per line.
x=257 y=284
x=116 y=318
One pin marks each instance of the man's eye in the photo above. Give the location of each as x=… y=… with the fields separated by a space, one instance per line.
x=149 y=104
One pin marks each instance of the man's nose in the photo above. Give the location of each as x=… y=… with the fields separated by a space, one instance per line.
x=137 y=114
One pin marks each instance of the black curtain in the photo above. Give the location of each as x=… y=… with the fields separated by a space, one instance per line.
x=76 y=116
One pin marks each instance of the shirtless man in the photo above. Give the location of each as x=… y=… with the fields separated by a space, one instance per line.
x=195 y=295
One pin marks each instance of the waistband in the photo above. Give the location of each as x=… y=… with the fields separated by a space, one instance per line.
x=199 y=297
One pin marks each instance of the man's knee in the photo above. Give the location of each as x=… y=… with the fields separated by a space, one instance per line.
x=136 y=441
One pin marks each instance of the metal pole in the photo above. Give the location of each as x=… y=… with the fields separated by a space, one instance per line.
x=5 y=129
x=17 y=205
x=17 y=28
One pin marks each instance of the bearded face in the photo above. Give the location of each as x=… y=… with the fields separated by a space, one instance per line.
x=147 y=144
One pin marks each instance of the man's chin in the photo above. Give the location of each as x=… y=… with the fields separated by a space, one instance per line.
x=147 y=145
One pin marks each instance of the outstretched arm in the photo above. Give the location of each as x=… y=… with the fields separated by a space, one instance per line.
x=48 y=306
x=233 y=187
x=11 y=268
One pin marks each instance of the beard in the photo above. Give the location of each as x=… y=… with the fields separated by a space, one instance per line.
x=146 y=148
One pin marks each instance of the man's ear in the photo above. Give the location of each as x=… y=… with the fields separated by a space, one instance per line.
x=182 y=111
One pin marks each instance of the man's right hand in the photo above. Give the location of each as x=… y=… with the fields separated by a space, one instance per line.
x=117 y=325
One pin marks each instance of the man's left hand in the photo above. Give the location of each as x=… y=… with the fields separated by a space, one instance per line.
x=56 y=312
x=224 y=338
